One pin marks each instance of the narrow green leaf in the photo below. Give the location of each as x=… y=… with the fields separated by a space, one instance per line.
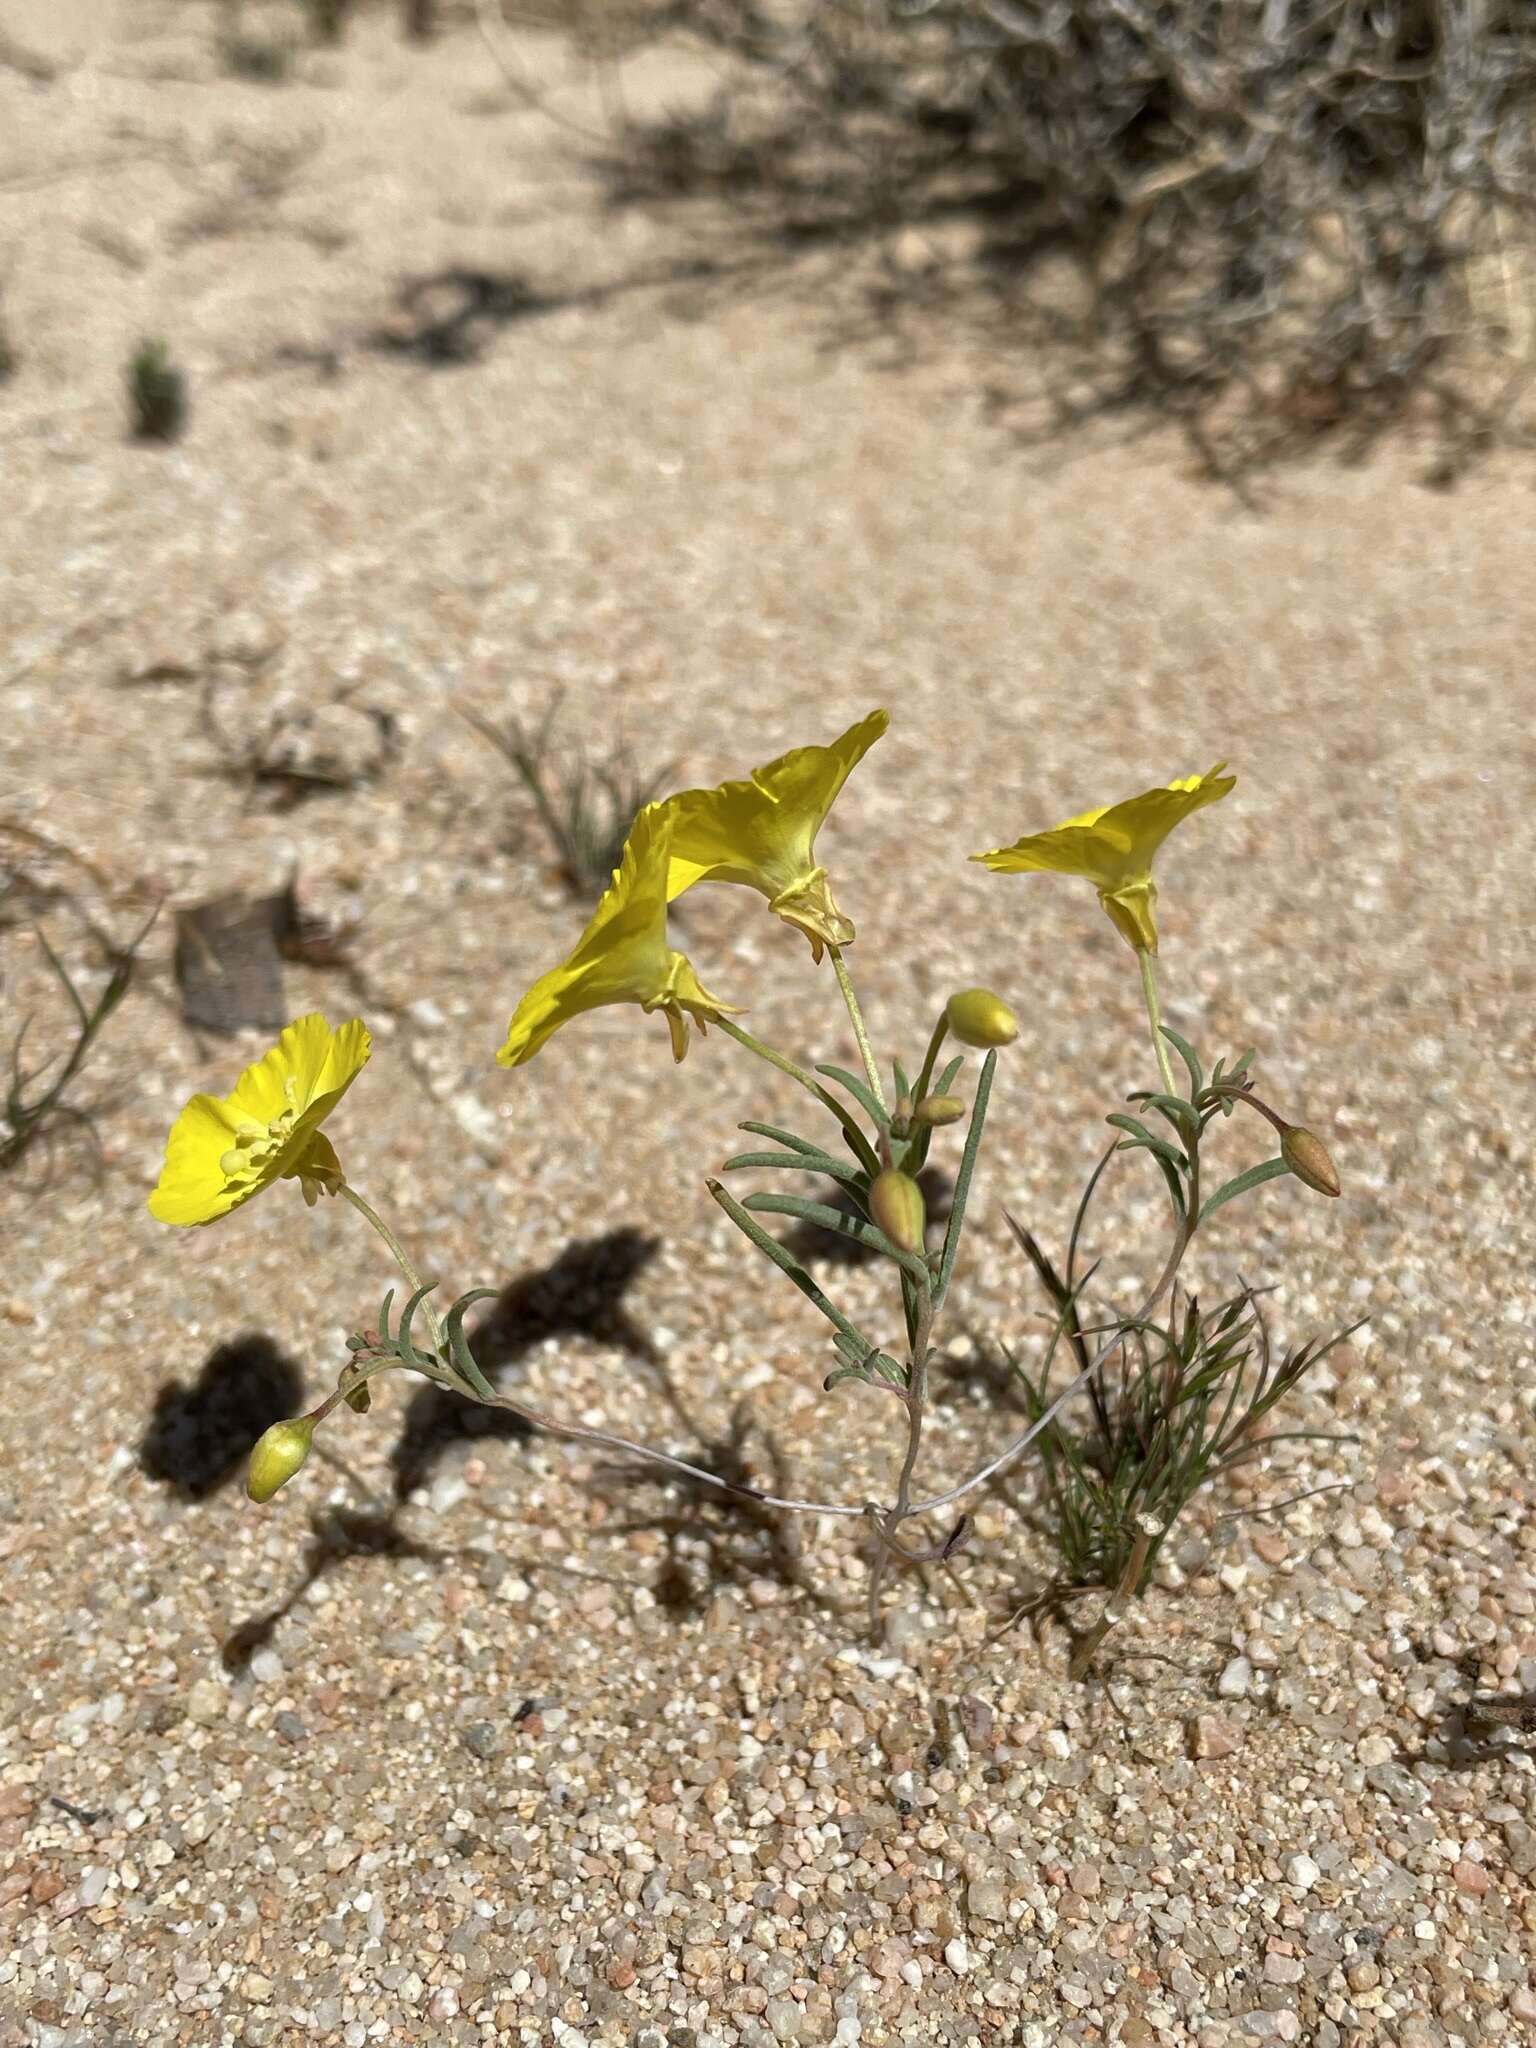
x=1189 y=1056
x=1140 y=1135
x=803 y=1162
x=945 y=1084
x=840 y=1223
x=899 y=1075
x=1253 y=1178
x=786 y=1262
x=1175 y=1187
x=861 y=1092
x=963 y=1182
x=782 y=1137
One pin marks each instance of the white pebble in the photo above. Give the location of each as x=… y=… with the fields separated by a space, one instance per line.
x=957 y=1955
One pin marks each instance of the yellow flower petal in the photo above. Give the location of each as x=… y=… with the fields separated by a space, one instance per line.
x=761 y=833
x=622 y=956
x=221 y=1152
x=1113 y=847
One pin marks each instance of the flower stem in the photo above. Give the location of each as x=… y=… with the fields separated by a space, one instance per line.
x=862 y=1148
x=940 y=1031
x=780 y=1060
x=856 y=1017
x=1155 y=1019
x=372 y=1215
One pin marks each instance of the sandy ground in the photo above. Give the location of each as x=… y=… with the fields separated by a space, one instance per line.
x=472 y=1738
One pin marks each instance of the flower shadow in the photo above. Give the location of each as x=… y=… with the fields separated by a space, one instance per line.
x=199 y=1437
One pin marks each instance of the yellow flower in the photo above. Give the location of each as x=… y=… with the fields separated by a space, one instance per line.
x=221 y=1152
x=762 y=832
x=1114 y=847
x=621 y=957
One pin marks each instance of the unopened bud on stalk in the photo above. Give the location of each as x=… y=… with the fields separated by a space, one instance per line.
x=359 y=1400
x=896 y=1204
x=939 y=1109
x=978 y=1017
x=1307 y=1157
x=278 y=1455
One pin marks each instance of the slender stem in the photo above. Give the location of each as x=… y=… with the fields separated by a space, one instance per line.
x=1114 y=1607
x=856 y=1018
x=1155 y=1019
x=940 y=1030
x=780 y=1060
x=372 y=1215
x=887 y=1525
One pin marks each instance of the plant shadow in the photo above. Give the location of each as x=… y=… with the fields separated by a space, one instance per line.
x=198 y=1437
x=579 y=1294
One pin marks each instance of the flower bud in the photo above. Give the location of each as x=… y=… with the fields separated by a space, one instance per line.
x=978 y=1017
x=278 y=1455
x=896 y=1204
x=1308 y=1159
x=939 y=1109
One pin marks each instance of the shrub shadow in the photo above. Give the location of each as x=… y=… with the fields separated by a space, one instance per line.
x=199 y=1436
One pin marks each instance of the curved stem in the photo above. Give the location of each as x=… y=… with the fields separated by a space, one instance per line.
x=774 y=1058
x=856 y=1018
x=401 y=1258
x=940 y=1031
x=1155 y=1019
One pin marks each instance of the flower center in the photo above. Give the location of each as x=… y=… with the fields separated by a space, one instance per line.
x=256 y=1144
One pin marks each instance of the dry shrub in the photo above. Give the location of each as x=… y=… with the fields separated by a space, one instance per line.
x=1279 y=216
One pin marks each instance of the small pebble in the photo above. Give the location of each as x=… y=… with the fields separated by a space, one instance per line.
x=1235 y=1680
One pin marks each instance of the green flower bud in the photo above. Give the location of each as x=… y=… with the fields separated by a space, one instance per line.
x=1308 y=1159
x=278 y=1455
x=978 y=1017
x=897 y=1206
x=939 y=1109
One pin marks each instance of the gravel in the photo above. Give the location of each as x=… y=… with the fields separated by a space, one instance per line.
x=523 y=1748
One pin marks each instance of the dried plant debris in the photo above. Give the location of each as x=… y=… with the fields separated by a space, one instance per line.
x=584 y=806
x=36 y=1097
x=230 y=953
x=228 y=966
x=1276 y=220
x=295 y=749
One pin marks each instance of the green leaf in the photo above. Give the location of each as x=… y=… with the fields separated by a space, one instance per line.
x=1175 y=1187
x=946 y=1082
x=1140 y=1135
x=899 y=1075
x=803 y=1162
x=1253 y=1178
x=782 y=1137
x=839 y=1373
x=840 y=1223
x=1189 y=1056
x=963 y=1182
x=861 y=1092
x=786 y=1262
